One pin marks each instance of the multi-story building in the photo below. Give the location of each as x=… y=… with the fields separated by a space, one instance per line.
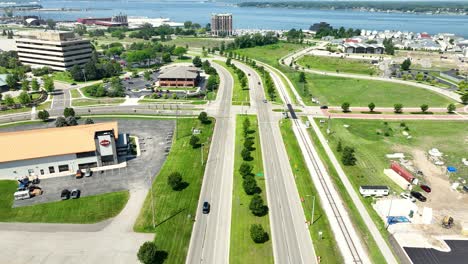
x=59 y=50
x=221 y=24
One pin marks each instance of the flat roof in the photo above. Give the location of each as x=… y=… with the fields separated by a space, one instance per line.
x=46 y=142
x=179 y=72
x=371 y=187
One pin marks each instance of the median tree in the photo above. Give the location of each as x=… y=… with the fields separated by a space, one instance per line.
x=424 y=108
x=248 y=143
x=371 y=107
x=245 y=153
x=43 y=115
x=245 y=169
x=246 y=126
x=398 y=108
x=174 y=180
x=258 y=234
x=250 y=185
x=257 y=207
x=345 y=107
x=451 y=108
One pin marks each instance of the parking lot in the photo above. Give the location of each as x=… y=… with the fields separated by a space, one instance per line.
x=457 y=254
x=152 y=135
x=136 y=87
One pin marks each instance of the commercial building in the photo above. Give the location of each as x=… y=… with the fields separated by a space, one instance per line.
x=59 y=50
x=362 y=48
x=59 y=151
x=221 y=25
x=184 y=76
x=119 y=20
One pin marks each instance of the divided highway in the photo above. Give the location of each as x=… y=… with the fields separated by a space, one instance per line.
x=210 y=238
x=290 y=234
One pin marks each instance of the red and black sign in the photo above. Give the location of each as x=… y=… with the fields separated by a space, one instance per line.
x=104 y=143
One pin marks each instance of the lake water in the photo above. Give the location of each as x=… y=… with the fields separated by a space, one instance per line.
x=261 y=18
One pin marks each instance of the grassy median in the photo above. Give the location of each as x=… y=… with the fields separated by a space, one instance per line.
x=243 y=248
x=175 y=210
x=239 y=96
x=326 y=247
x=86 y=210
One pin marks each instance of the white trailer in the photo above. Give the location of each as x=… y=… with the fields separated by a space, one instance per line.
x=373 y=190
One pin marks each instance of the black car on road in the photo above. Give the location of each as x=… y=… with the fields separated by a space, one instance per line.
x=206 y=207
x=418 y=196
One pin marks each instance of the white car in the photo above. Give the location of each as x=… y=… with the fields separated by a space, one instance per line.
x=407 y=197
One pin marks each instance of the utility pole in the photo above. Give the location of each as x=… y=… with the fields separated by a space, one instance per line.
x=201 y=148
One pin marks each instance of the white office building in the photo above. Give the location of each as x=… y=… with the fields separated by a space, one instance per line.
x=59 y=50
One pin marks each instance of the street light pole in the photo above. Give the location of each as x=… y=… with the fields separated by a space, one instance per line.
x=201 y=148
x=84 y=75
x=152 y=199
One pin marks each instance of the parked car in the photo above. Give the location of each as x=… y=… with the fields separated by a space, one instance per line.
x=73 y=84
x=407 y=197
x=465 y=188
x=65 y=195
x=75 y=194
x=206 y=207
x=418 y=196
x=88 y=172
x=324 y=107
x=425 y=188
x=265 y=100
x=79 y=174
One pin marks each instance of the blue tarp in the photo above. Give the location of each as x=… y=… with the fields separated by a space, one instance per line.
x=397 y=219
x=451 y=169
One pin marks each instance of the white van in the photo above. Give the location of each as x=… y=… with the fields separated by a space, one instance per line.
x=21 y=195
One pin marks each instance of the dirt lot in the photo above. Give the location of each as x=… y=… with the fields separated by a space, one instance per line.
x=432 y=60
x=443 y=199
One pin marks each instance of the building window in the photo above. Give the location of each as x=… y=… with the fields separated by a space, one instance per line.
x=85 y=154
x=87 y=165
x=63 y=168
x=42 y=172
x=51 y=169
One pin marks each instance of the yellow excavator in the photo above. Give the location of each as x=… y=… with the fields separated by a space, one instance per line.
x=447 y=222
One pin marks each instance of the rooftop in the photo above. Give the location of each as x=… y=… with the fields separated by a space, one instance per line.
x=179 y=72
x=49 y=35
x=38 y=143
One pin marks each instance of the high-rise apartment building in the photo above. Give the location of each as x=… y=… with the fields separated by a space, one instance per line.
x=59 y=50
x=221 y=24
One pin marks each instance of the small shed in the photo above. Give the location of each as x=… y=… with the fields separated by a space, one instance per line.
x=373 y=190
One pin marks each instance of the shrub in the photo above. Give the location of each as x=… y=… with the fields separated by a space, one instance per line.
x=345 y=106
x=43 y=115
x=194 y=141
x=148 y=253
x=68 y=111
x=203 y=117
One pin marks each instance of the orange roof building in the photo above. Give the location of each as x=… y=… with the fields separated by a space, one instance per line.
x=57 y=150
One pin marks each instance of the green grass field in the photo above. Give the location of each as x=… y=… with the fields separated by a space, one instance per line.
x=447 y=136
x=361 y=227
x=194 y=42
x=239 y=96
x=173 y=226
x=86 y=210
x=326 y=247
x=333 y=64
x=63 y=77
x=243 y=249
x=270 y=54
x=89 y=102
x=334 y=91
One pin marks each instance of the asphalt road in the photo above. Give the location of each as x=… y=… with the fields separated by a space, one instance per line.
x=291 y=239
x=210 y=240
